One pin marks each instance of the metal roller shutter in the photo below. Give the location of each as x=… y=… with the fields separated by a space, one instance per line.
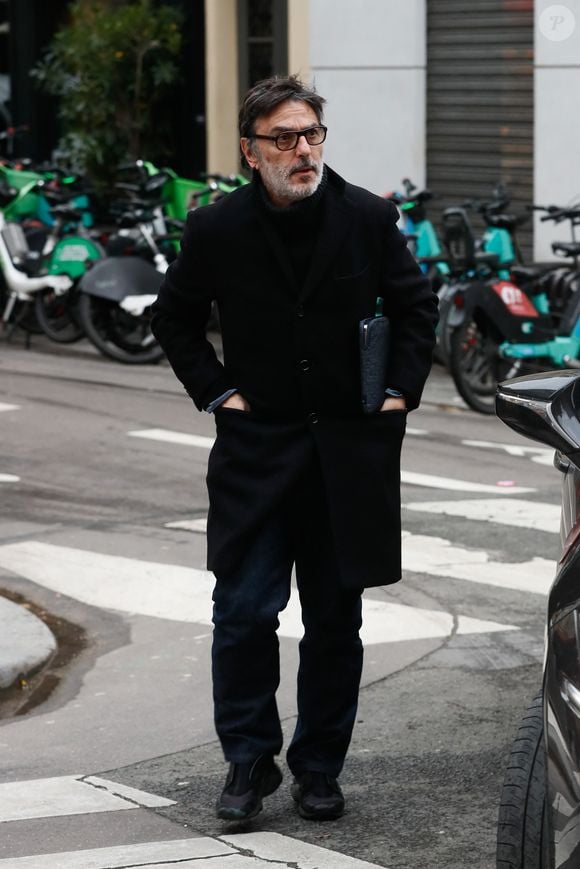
x=480 y=102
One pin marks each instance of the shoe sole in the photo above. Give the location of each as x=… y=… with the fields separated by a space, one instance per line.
x=322 y=815
x=227 y=813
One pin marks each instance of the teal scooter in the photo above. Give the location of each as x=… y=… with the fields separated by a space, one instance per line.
x=492 y=255
x=421 y=232
x=561 y=348
x=510 y=327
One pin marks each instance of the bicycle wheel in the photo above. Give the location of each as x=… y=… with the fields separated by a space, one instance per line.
x=475 y=363
x=116 y=333
x=57 y=317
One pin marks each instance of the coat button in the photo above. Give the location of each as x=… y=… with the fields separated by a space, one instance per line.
x=300 y=311
x=312 y=418
x=305 y=365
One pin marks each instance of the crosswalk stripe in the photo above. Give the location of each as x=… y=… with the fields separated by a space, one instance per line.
x=70 y=795
x=173 y=437
x=184 y=594
x=277 y=849
x=408 y=477
x=4 y=406
x=430 y=481
x=541 y=455
x=9 y=478
x=199 y=526
x=439 y=557
x=514 y=512
x=231 y=851
x=181 y=852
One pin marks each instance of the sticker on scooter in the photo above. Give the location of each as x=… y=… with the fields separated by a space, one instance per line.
x=514 y=299
x=73 y=252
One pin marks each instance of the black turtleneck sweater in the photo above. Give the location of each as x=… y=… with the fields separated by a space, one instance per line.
x=298 y=227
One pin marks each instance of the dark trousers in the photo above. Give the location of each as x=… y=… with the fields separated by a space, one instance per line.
x=245 y=654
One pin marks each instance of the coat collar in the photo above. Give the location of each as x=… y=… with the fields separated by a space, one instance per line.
x=336 y=220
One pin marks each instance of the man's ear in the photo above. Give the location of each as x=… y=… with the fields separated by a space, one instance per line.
x=248 y=152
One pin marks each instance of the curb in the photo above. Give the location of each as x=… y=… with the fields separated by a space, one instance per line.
x=26 y=643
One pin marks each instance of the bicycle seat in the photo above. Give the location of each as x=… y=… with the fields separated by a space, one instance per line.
x=503 y=221
x=568 y=248
x=529 y=273
x=66 y=212
x=487 y=259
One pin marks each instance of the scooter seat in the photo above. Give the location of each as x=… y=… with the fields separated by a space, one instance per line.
x=503 y=221
x=66 y=212
x=568 y=248
x=530 y=273
x=486 y=259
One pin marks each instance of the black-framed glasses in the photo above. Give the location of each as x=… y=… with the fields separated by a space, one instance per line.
x=289 y=139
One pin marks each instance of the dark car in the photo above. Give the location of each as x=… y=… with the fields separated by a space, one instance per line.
x=539 y=818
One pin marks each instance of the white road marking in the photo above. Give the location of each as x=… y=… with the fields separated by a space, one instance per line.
x=277 y=849
x=439 y=557
x=155 y=855
x=233 y=851
x=9 y=478
x=69 y=795
x=8 y=406
x=173 y=437
x=429 y=481
x=512 y=511
x=409 y=477
x=183 y=594
x=541 y=455
x=199 y=526
x=416 y=432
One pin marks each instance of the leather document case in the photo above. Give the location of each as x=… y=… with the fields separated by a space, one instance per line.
x=374 y=333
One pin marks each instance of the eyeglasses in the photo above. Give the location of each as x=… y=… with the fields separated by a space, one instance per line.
x=289 y=139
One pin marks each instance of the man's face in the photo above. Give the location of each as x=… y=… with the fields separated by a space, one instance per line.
x=288 y=176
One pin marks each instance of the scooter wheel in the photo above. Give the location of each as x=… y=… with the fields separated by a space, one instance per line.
x=118 y=334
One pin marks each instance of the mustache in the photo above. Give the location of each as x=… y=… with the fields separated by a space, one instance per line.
x=305 y=163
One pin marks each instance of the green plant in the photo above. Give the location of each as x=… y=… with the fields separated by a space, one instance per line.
x=111 y=66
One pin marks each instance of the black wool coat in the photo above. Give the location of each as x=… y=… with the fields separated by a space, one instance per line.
x=292 y=352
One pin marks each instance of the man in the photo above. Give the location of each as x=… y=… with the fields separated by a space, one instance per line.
x=298 y=474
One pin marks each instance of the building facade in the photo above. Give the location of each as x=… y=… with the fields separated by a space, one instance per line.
x=456 y=96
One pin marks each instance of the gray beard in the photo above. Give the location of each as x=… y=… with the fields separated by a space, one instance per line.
x=278 y=184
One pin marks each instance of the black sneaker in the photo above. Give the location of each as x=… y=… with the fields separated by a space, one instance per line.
x=246 y=784
x=318 y=795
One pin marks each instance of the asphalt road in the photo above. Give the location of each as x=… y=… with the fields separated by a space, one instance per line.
x=453 y=653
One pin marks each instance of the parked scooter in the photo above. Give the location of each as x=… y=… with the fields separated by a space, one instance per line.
x=117 y=293
x=41 y=280
x=468 y=261
x=506 y=328
x=424 y=241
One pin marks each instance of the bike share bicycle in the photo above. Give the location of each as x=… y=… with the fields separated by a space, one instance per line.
x=499 y=239
x=508 y=327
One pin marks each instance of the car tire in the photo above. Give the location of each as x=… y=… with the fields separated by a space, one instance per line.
x=522 y=836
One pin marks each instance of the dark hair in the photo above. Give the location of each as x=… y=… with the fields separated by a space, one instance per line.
x=264 y=96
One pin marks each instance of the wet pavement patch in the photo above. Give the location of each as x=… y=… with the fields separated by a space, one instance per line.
x=28 y=693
